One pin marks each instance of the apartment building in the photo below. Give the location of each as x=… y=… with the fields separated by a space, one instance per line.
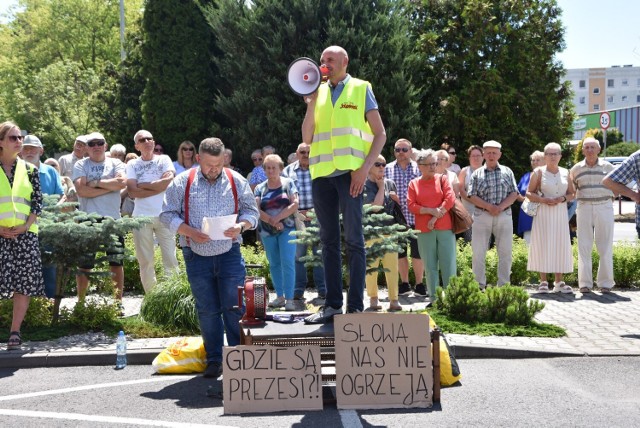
x=603 y=89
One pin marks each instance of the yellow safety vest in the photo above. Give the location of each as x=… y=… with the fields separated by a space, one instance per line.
x=342 y=137
x=15 y=202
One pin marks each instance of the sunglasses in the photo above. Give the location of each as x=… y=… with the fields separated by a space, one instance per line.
x=187 y=149
x=15 y=138
x=94 y=143
x=402 y=149
x=452 y=153
x=256 y=159
x=158 y=151
x=303 y=153
x=145 y=139
x=379 y=164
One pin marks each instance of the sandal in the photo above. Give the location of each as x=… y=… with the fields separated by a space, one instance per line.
x=374 y=305
x=15 y=341
x=561 y=287
x=544 y=287
x=585 y=290
x=605 y=290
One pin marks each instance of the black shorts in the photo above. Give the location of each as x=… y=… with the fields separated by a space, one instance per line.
x=89 y=261
x=415 y=253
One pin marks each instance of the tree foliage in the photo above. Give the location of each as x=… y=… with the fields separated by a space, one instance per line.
x=177 y=63
x=46 y=41
x=260 y=40
x=492 y=73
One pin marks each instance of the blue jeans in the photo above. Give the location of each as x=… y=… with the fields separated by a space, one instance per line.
x=214 y=284
x=326 y=191
x=281 y=255
x=301 y=271
x=49 y=276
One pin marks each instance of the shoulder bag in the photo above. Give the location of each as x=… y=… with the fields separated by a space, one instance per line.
x=461 y=220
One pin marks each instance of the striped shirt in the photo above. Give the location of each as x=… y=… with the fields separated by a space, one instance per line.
x=628 y=171
x=207 y=200
x=492 y=186
x=588 y=182
x=302 y=179
x=402 y=178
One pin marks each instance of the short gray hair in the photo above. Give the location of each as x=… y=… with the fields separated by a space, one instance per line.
x=424 y=155
x=553 y=146
x=212 y=146
x=118 y=149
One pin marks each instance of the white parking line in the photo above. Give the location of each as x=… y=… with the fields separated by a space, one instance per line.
x=88 y=387
x=107 y=419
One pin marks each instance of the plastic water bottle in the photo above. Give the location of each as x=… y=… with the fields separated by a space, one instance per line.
x=121 y=351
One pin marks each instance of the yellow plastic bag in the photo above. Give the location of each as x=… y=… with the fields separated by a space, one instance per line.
x=449 y=369
x=186 y=355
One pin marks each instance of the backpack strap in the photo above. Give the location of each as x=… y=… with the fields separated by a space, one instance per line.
x=192 y=176
x=233 y=189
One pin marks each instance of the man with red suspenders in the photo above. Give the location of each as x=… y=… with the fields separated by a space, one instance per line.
x=215 y=269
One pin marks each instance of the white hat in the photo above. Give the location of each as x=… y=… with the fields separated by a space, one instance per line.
x=492 y=143
x=94 y=136
x=82 y=139
x=32 y=140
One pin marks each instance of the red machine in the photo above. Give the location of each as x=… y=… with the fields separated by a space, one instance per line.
x=255 y=299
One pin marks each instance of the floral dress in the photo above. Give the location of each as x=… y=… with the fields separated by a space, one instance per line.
x=20 y=262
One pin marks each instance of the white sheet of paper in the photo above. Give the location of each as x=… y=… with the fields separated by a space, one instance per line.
x=215 y=226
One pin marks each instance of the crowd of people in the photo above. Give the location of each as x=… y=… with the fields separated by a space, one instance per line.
x=335 y=171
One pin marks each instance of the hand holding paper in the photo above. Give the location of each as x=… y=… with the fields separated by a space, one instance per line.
x=216 y=226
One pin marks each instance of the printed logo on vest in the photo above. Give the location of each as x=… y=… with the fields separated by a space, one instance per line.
x=349 y=105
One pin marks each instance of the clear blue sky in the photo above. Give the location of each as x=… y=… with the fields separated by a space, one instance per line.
x=597 y=33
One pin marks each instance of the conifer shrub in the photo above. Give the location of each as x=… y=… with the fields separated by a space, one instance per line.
x=464 y=301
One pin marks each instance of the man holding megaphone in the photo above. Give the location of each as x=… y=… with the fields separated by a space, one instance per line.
x=344 y=128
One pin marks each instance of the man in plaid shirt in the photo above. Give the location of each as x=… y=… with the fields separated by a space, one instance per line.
x=402 y=171
x=299 y=173
x=618 y=179
x=492 y=190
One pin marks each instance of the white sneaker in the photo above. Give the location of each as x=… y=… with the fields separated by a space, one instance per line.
x=561 y=287
x=278 y=302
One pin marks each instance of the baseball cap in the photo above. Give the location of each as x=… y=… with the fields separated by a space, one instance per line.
x=32 y=140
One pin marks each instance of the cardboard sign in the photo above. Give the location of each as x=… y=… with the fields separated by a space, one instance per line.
x=383 y=361
x=259 y=379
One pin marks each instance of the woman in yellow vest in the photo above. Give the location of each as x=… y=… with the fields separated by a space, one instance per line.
x=20 y=205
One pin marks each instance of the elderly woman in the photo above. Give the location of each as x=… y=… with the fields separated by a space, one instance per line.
x=381 y=192
x=430 y=198
x=186 y=157
x=550 y=249
x=525 y=220
x=277 y=200
x=21 y=203
x=118 y=151
x=444 y=162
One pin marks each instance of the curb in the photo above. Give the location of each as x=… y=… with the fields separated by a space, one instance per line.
x=26 y=359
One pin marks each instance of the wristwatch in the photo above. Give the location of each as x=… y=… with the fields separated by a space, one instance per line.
x=241 y=227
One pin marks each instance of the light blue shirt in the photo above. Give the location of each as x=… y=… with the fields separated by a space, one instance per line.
x=50 y=183
x=207 y=200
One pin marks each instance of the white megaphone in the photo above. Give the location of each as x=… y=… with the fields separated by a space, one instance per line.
x=305 y=76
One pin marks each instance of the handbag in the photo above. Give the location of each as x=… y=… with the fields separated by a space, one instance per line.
x=461 y=220
x=530 y=208
x=398 y=215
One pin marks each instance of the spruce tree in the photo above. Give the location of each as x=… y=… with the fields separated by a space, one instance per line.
x=259 y=40
x=177 y=51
